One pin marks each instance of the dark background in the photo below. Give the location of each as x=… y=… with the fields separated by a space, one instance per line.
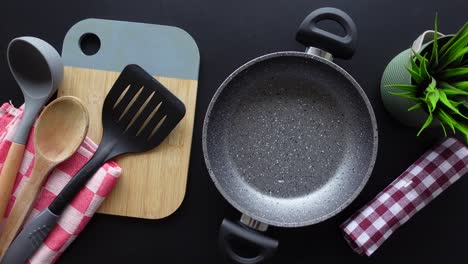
x=228 y=34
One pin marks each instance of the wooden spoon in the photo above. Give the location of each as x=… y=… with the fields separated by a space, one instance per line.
x=60 y=130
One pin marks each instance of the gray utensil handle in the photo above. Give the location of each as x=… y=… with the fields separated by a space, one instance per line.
x=30 y=238
x=30 y=114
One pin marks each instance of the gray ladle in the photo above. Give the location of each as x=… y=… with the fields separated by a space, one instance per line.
x=38 y=70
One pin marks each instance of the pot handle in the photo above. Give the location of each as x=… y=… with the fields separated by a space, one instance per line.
x=229 y=231
x=310 y=35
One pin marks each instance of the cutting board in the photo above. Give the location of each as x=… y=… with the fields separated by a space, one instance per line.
x=152 y=184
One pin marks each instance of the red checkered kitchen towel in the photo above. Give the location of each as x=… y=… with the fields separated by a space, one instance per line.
x=82 y=208
x=423 y=181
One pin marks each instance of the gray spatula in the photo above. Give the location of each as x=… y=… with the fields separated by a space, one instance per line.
x=138 y=114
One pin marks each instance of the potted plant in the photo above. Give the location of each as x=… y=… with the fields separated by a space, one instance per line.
x=428 y=84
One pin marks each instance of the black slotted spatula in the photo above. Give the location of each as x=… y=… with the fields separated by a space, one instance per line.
x=137 y=115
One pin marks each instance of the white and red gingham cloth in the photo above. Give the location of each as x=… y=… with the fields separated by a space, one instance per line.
x=77 y=215
x=423 y=181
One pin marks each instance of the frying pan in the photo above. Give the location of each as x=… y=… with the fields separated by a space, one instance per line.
x=290 y=138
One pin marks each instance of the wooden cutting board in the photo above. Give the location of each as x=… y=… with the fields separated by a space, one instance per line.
x=152 y=184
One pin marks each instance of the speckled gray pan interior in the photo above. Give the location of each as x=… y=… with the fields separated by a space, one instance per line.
x=290 y=139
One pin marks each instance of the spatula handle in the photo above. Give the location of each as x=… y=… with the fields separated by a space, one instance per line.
x=24 y=202
x=8 y=174
x=78 y=181
x=30 y=238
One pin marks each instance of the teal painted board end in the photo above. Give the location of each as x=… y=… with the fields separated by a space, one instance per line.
x=161 y=50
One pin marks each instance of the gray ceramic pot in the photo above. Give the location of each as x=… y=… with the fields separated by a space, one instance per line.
x=396 y=73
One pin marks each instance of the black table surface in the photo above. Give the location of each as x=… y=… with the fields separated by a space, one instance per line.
x=228 y=34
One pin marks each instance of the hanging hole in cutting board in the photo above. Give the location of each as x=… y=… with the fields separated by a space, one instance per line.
x=89 y=44
x=331 y=26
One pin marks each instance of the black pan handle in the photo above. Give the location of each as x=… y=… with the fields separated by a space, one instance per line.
x=229 y=231
x=310 y=35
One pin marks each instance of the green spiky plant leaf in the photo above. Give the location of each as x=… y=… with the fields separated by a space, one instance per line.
x=435 y=46
x=440 y=81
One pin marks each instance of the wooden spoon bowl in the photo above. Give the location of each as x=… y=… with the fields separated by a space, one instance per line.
x=61 y=129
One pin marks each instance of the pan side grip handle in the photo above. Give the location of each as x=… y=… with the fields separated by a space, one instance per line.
x=229 y=231
x=310 y=35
